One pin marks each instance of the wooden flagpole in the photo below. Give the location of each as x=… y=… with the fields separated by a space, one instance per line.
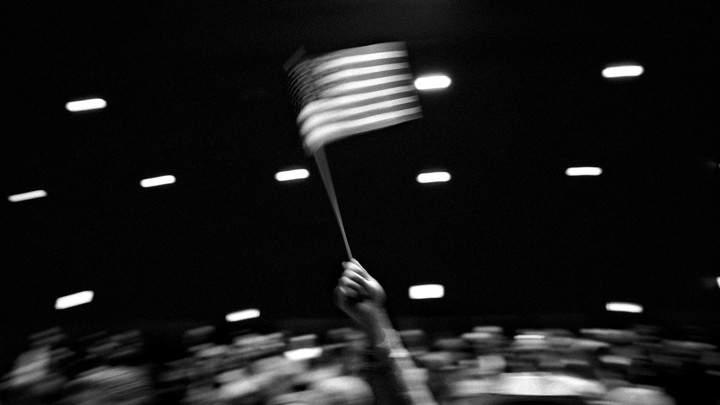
x=324 y=168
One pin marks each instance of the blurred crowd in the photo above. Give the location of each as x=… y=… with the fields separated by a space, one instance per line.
x=485 y=365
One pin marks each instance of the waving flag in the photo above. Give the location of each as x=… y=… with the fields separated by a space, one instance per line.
x=352 y=91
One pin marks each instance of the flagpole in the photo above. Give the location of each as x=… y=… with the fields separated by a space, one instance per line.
x=324 y=168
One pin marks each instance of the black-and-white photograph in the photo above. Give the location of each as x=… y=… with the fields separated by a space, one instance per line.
x=358 y=202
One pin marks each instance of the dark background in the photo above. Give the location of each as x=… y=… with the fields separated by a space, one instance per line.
x=196 y=90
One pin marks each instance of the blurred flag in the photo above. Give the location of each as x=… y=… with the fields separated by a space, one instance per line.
x=352 y=91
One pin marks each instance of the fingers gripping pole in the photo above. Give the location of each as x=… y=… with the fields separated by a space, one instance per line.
x=324 y=168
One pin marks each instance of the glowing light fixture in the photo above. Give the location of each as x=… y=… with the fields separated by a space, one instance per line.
x=306 y=353
x=624 y=307
x=86 y=105
x=242 y=315
x=617 y=360
x=718 y=281
x=426 y=291
x=433 y=82
x=74 y=300
x=529 y=337
x=157 y=181
x=619 y=71
x=433 y=177
x=27 y=196
x=583 y=171
x=295 y=174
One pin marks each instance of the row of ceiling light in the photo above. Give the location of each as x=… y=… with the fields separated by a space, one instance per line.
x=282 y=176
x=416 y=292
x=423 y=178
x=301 y=174
x=422 y=83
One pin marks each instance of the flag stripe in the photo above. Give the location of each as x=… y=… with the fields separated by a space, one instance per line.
x=359 y=64
x=366 y=84
x=364 y=50
x=375 y=48
x=369 y=89
x=335 y=63
x=362 y=71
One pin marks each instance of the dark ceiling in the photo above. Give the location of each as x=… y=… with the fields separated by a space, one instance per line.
x=196 y=89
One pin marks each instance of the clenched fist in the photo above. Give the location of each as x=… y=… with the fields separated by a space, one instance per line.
x=361 y=297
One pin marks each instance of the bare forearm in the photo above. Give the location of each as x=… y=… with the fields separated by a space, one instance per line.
x=389 y=367
x=395 y=377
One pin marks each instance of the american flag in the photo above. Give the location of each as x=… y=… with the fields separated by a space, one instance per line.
x=352 y=91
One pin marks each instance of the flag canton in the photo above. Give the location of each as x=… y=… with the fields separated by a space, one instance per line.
x=300 y=80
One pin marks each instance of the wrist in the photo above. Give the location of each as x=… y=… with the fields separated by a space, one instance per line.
x=375 y=337
x=383 y=334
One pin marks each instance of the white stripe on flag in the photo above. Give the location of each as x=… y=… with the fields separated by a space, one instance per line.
x=317 y=106
x=319 y=119
x=349 y=73
x=335 y=131
x=345 y=87
x=335 y=63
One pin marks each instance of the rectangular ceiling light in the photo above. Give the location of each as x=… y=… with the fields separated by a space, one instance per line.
x=433 y=82
x=433 y=177
x=583 y=171
x=86 y=105
x=242 y=315
x=306 y=353
x=157 y=181
x=529 y=337
x=624 y=307
x=74 y=300
x=616 y=360
x=27 y=196
x=718 y=281
x=427 y=291
x=295 y=174
x=615 y=72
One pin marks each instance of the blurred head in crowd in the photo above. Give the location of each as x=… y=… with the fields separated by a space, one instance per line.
x=341 y=390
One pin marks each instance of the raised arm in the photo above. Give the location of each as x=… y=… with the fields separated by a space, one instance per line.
x=388 y=363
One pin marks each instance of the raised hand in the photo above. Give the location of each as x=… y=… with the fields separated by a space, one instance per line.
x=362 y=298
